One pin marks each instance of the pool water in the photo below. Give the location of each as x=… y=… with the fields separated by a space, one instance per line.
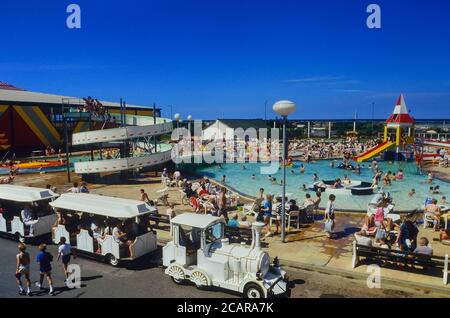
x=241 y=179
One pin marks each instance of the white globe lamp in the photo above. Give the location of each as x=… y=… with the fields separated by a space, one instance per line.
x=284 y=108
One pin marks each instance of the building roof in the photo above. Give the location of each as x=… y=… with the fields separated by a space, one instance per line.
x=101 y=205
x=10 y=94
x=400 y=116
x=243 y=123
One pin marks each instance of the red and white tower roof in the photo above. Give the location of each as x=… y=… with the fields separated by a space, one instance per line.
x=400 y=116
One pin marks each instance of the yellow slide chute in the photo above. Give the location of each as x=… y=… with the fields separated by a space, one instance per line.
x=374 y=151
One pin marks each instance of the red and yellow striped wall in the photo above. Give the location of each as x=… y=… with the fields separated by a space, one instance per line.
x=39 y=124
x=26 y=127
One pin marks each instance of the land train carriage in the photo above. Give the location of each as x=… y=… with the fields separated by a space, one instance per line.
x=200 y=253
x=13 y=199
x=105 y=210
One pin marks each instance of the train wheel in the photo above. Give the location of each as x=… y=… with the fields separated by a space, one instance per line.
x=253 y=290
x=199 y=279
x=112 y=260
x=177 y=274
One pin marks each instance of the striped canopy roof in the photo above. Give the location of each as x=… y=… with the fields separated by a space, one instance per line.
x=400 y=116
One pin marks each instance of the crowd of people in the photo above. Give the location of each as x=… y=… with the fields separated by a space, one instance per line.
x=401 y=235
x=312 y=149
x=123 y=232
x=231 y=150
x=208 y=198
x=95 y=108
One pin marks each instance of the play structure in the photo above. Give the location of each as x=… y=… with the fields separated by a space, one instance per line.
x=131 y=144
x=430 y=151
x=398 y=138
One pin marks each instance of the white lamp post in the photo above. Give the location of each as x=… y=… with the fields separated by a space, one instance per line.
x=284 y=108
x=189 y=119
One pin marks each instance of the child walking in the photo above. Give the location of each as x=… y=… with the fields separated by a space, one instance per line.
x=330 y=216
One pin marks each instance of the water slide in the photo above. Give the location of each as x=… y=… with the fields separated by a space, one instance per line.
x=374 y=151
x=136 y=127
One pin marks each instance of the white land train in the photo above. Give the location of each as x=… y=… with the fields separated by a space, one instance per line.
x=13 y=199
x=137 y=127
x=104 y=246
x=200 y=253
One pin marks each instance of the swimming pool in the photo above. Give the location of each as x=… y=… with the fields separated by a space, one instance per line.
x=241 y=179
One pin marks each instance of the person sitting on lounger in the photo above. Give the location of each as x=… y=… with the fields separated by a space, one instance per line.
x=423 y=247
x=194 y=203
x=433 y=211
x=244 y=223
x=368 y=227
x=445 y=236
x=203 y=192
x=233 y=222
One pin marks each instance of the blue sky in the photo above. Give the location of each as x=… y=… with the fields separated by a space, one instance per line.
x=228 y=58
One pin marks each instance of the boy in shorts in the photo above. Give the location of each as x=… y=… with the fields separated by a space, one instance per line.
x=44 y=259
x=64 y=253
x=23 y=268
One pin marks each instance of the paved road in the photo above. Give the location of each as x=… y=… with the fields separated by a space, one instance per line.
x=146 y=279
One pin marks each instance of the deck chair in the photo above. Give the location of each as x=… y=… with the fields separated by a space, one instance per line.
x=294 y=217
x=253 y=209
x=183 y=197
x=309 y=213
x=163 y=196
x=427 y=219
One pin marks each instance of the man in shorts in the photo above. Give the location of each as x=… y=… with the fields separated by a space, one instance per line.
x=44 y=259
x=64 y=253
x=23 y=268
